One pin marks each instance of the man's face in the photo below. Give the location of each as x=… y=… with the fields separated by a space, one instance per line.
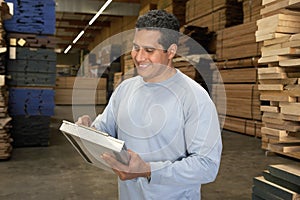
x=151 y=60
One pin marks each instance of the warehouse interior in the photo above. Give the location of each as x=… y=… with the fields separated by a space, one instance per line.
x=60 y=60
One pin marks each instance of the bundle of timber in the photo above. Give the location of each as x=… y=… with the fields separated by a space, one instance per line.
x=32 y=40
x=216 y=14
x=271 y=7
x=177 y=7
x=80 y=91
x=194 y=36
x=239 y=78
x=280 y=181
x=251 y=10
x=237 y=42
x=5 y=137
x=279 y=82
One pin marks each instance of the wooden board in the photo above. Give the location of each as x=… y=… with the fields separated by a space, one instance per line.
x=290 y=173
x=275 y=189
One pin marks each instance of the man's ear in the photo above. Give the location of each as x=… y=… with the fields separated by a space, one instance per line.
x=172 y=51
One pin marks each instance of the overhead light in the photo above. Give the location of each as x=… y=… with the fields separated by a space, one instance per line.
x=100 y=11
x=78 y=36
x=90 y=23
x=67 y=49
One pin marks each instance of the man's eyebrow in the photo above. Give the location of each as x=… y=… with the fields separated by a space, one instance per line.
x=144 y=47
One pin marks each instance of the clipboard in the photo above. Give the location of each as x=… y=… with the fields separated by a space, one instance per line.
x=91 y=143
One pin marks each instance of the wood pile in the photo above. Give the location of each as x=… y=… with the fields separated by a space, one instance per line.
x=177 y=7
x=5 y=120
x=5 y=137
x=280 y=181
x=238 y=42
x=80 y=91
x=241 y=100
x=251 y=10
x=237 y=54
x=216 y=15
x=279 y=83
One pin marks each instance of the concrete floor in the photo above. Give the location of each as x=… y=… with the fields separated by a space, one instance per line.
x=58 y=172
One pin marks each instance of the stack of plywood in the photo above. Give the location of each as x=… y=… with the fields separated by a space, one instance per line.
x=279 y=30
x=279 y=181
x=80 y=91
x=215 y=15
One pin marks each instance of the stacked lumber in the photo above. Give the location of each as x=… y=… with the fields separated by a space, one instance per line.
x=80 y=91
x=31 y=66
x=281 y=181
x=32 y=17
x=5 y=137
x=279 y=82
x=177 y=7
x=242 y=103
x=237 y=42
x=5 y=119
x=237 y=55
x=251 y=10
x=215 y=15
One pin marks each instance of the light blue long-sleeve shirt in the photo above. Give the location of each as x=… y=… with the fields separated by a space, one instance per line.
x=174 y=126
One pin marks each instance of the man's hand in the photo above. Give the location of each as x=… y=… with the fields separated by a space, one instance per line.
x=136 y=167
x=84 y=120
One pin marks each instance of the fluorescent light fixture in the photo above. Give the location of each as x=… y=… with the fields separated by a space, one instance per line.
x=100 y=12
x=67 y=49
x=78 y=36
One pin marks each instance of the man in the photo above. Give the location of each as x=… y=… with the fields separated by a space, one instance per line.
x=167 y=120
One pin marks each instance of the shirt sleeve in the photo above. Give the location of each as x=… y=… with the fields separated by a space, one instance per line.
x=204 y=148
x=106 y=121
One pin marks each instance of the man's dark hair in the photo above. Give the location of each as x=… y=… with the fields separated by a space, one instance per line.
x=162 y=21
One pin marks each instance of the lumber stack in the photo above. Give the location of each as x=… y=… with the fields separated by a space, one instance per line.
x=5 y=119
x=80 y=91
x=237 y=56
x=177 y=7
x=216 y=15
x=251 y=10
x=279 y=181
x=239 y=77
x=31 y=66
x=32 y=17
x=238 y=42
x=279 y=82
x=5 y=122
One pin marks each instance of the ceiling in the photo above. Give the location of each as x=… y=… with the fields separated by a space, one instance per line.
x=72 y=16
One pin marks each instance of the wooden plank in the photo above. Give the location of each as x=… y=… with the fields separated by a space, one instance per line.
x=275 y=96
x=281 y=51
x=285 y=148
x=275 y=58
x=269 y=36
x=290 y=62
x=282 y=179
x=287 y=172
x=274 y=109
x=290 y=108
x=276 y=87
x=276 y=40
x=274 y=132
x=275 y=189
x=270 y=70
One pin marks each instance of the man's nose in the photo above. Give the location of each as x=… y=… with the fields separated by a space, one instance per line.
x=141 y=55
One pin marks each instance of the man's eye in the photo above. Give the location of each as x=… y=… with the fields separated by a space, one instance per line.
x=149 y=50
x=136 y=48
